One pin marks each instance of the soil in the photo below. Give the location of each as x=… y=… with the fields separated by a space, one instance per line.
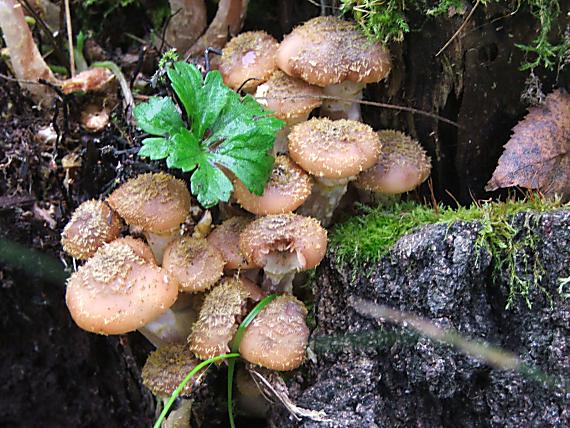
x=53 y=374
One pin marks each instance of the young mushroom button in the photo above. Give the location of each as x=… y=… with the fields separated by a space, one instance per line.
x=288 y=187
x=283 y=245
x=332 y=53
x=92 y=224
x=335 y=152
x=251 y=55
x=119 y=289
x=277 y=337
x=157 y=203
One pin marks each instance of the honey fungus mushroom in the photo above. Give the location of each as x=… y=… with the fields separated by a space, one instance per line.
x=225 y=238
x=92 y=224
x=291 y=100
x=334 y=152
x=119 y=289
x=194 y=263
x=288 y=187
x=329 y=52
x=217 y=322
x=158 y=203
x=402 y=166
x=251 y=55
x=277 y=337
x=283 y=245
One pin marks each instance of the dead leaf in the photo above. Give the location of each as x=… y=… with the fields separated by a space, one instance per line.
x=538 y=154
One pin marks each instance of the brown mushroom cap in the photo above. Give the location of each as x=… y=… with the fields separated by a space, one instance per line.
x=288 y=187
x=165 y=369
x=156 y=202
x=403 y=165
x=119 y=289
x=194 y=263
x=249 y=55
x=334 y=148
x=225 y=238
x=288 y=97
x=284 y=242
x=92 y=224
x=217 y=322
x=277 y=336
x=326 y=51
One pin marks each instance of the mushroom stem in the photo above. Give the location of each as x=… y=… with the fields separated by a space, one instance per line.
x=27 y=62
x=179 y=417
x=173 y=326
x=336 y=109
x=369 y=197
x=159 y=241
x=279 y=283
x=324 y=198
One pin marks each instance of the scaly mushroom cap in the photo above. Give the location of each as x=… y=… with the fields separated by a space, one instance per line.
x=165 y=369
x=288 y=97
x=92 y=224
x=326 y=50
x=225 y=238
x=334 y=148
x=277 y=336
x=194 y=263
x=288 y=187
x=403 y=165
x=217 y=322
x=284 y=243
x=249 y=55
x=119 y=289
x=157 y=203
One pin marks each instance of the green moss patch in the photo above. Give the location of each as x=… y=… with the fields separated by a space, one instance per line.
x=366 y=238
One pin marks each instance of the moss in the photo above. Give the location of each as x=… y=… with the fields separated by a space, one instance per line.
x=366 y=238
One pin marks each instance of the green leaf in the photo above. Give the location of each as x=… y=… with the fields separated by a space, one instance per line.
x=158 y=116
x=226 y=133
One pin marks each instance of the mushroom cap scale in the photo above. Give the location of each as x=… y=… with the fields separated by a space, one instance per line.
x=217 y=321
x=92 y=224
x=327 y=50
x=165 y=369
x=225 y=238
x=119 y=289
x=156 y=202
x=334 y=148
x=288 y=187
x=248 y=55
x=289 y=98
x=196 y=264
x=402 y=166
x=277 y=336
x=284 y=242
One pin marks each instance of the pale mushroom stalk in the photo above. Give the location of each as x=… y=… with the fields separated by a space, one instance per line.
x=187 y=24
x=159 y=241
x=324 y=199
x=338 y=109
x=27 y=62
x=227 y=22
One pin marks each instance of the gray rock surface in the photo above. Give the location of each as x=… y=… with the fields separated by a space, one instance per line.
x=374 y=374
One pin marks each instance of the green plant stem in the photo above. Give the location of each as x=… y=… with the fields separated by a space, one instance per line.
x=189 y=376
x=235 y=349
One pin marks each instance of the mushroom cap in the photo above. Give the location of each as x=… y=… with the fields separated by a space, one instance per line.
x=119 y=289
x=156 y=202
x=217 y=322
x=294 y=240
x=288 y=187
x=194 y=263
x=166 y=367
x=403 y=165
x=225 y=238
x=249 y=55
x=334 y=148
x=288 y=97
x=92 y=224
x=277 y=337
x=327 y=50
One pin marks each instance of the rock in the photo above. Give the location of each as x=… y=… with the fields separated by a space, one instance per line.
x=372 y=374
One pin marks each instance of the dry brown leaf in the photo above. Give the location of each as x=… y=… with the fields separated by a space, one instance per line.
x=538 y=154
